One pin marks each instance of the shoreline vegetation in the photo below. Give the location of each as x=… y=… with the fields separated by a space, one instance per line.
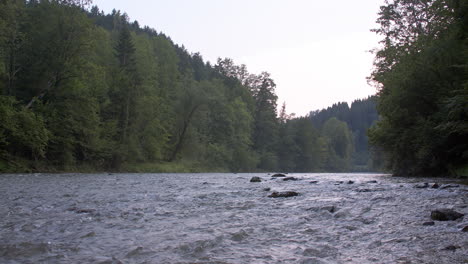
x=81 y=90
x=87 y=91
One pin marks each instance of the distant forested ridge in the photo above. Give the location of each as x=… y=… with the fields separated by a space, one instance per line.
x=421 y=71
x=358 y=118
x=83 y=91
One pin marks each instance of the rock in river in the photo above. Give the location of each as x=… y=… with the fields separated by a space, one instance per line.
x=278 y=175
x=290 y=179
x=283 y=194
x=421 y=185
x=256 y=179
x=445 y=215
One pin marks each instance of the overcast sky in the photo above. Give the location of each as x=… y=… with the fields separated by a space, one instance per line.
x=315 y=50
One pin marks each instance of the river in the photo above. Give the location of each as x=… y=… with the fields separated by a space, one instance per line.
x=224 y=218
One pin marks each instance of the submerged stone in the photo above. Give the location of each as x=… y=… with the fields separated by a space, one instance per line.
x=421 y=185
x=448 y=186
x=81 y=210
x=451 y=248
x=90 y=234
x=283 y=194
x=430 y=223
x=364 y=190
x=331 y=208
x=290 y=179
x=445 y=215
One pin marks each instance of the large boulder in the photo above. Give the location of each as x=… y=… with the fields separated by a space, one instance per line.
x=283 y=194
x=445 y=215
x=290 y=179
x=256 y=179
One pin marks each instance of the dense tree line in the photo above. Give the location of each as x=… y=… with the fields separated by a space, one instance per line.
x=421 y=72
x=84 y=90
x=355 y=121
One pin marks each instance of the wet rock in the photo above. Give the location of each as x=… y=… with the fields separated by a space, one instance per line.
x=373 y=181
x=313 y=182
x=445 y=215
x=290 y=179
x=277 y=175
x=81 y=210
x=363 y=190
x=239 y=236
x=465 y=229
x=351 y=228
x=435 y=186
x=331 y=208
x=421 y=185
x=27 y=228
x=312 y=261
x=430 y=223
x=267 y=189
x=106 y=260
x=451 y=248
x=448 y=186
x=85 y=211
x=90 y=234
x=283 y=194
x=350 y=182
x=134 y=252
x=256 y=179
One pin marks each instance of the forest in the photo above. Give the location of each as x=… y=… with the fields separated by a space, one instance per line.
x=421 y=72
x=82 y=90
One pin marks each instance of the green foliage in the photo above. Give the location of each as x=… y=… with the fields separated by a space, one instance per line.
x=359 y=117
x=340 y=145
x=22 y=132
x=422 y=71
x=82 y=90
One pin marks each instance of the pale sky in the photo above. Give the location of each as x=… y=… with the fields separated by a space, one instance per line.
x=315 y=50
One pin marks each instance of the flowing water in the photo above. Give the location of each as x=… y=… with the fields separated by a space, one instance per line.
x=223 y=218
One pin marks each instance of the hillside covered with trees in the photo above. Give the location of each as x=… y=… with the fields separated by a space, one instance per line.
x=83 y=91
x=421 y=71
x=356 y=121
